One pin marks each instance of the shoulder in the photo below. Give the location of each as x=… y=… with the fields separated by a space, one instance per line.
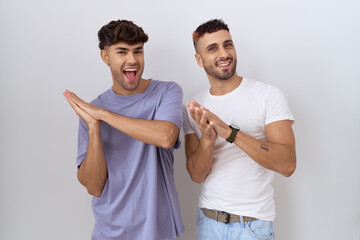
x=256 y=85
x=261 y=88
x=166 y=88
x=102 y=99
x=165 y=84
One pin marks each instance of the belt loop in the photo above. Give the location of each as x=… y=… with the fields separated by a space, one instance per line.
x=242 y=221
x=216 y=215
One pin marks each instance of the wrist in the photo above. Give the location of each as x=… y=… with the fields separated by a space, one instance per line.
x=228 y=132
x=103 y=114
x=206 y=143
x=94 y=127
x=233 y=132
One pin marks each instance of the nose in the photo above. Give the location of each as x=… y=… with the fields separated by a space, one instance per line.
x=131 y=58
x=223 y=53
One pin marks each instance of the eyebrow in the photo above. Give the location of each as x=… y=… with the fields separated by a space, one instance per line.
x=211 y=45
x=125 y=49
x=227 y=41
x=215 y=44
x=121 y=48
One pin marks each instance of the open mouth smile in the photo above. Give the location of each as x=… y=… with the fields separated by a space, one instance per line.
x=224 y=64
x=130 y=73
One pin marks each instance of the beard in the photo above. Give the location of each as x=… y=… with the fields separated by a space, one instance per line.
x=221 y=75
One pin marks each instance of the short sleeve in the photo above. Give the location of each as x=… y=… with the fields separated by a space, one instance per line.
x=170 y=107
x=186 y=121
x=83 y=141
x=276 y=106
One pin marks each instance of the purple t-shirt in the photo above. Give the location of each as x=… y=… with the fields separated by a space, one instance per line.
x=139 y=199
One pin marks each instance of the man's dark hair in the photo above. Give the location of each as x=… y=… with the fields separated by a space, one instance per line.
x=121 y=31
x=211 y=26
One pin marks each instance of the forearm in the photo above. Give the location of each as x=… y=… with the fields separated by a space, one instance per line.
x=199 y=163
x=277 y=157
x=155 y=132
x=93 y=170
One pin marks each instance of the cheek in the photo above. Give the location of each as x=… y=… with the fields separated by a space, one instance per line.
x=141 y=61
x=209 y=61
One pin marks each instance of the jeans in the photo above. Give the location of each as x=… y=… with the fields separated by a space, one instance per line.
x=210 y=229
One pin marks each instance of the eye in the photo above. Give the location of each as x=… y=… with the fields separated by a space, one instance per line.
x=229 y=45
x=212 y=49
x=138 y=52
x=121 y=52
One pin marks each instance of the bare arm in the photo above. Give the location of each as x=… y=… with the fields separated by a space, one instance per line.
x=93 y=170
x=155 y=132
x=199 y=152
x=277 y=153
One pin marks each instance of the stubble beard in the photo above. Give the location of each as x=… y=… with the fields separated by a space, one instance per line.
x=210 y=70
x=122 y=80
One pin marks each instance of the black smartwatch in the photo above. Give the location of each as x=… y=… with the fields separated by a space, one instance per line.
x=234 y=130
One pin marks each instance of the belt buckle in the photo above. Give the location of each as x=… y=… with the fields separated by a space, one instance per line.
x=227 y=218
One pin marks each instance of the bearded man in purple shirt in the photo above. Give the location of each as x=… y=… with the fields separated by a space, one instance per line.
x=125 y=143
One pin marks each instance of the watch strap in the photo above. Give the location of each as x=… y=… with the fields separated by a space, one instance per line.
x=232 y=136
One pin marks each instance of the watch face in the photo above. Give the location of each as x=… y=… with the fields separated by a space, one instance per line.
x=234 y=126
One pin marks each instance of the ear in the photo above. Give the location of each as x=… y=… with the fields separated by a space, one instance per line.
x=199 y=60
x=105 y=56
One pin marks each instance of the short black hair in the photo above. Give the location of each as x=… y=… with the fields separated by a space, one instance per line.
x=210 y=26
x=121 y=31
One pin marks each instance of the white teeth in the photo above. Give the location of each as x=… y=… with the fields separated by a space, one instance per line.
x=224 y=64
x=130 y=70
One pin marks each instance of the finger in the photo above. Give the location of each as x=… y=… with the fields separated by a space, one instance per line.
x=212 y=125
x=208 y=129
x=81 y=103
x=198 y=114
x=196 y=104
x=71 y=102
x=80 y=112
x=203 y=119
x=192 y=114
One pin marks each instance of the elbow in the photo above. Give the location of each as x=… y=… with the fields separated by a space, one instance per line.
x=287 y=172
x=94 y=192
x=197 y=179
x=169 y=140
x=167 y=144
x=197 y=175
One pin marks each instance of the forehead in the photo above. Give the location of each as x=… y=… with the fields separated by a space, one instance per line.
x=218 y=37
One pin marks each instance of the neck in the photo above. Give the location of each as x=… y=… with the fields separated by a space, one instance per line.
x=222 y=87
x=144 y=83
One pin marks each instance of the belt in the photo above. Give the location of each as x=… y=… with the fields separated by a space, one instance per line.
x=224 y=216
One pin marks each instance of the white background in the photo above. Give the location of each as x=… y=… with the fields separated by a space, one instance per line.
x=309 y=49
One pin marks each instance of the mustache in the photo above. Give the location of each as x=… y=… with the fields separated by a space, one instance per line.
x=131 y=65
x=223 y=59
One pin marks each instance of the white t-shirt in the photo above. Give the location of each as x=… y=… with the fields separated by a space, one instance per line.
x=237 y=184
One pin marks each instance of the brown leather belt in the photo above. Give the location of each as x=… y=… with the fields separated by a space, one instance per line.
x=224 y=216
